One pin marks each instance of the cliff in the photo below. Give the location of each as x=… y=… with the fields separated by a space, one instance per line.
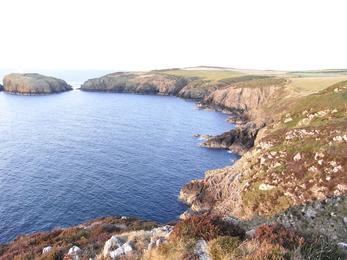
x=285 y=198
x=33 y=84
x=298 y=158
x=144 y=83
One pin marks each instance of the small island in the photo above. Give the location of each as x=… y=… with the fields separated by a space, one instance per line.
x=33 y=84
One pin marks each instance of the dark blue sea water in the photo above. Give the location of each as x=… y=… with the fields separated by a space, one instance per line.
x=67 y=158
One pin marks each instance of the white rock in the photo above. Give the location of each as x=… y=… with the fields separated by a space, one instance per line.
x=127 y=247
x=318 y=156
x=116 y=253
x=201 y=250
x=313 y=169
x=297 y=157
x=111 y=244
x=337 y=169
x=47 y=249
x=262 y=160
x=265 y=187
x=159 y=241
x=151 y=244
x=342 y=245
x=338 y=138
x=74 y=251
x=289 y=119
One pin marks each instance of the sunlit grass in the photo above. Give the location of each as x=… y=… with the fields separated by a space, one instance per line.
x=308 y=85
x=212 y=75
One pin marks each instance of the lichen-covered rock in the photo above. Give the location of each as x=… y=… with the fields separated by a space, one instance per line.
x=33 y=84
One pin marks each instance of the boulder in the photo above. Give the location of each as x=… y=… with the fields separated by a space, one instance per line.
x=33 y=84
x=75 y=252
x=114 y=248
x=46 y=249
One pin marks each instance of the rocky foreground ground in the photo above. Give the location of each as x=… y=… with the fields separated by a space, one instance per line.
x=284 y=199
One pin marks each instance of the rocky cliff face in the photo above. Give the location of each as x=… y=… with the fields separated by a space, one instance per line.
x=144 y=83
x=238 y=140
x=246 y=98
x=298 y=159
x=33 y=84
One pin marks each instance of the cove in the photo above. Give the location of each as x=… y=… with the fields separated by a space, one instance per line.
x=75 y=156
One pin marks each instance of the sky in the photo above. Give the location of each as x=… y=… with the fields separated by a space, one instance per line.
x=156 y=34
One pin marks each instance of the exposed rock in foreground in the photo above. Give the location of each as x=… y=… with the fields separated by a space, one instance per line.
x=328 y=217
x=33 y=84
x=199 y=237
x=109 y=236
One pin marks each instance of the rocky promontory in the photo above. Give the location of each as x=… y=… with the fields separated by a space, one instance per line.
x=33 y=84
x=144 y=83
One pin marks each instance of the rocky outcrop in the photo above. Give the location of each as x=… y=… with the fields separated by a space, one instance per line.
x=290 y=165
x=33 y=84
x=238 y=140
x=246 y=99
x=198 y=89
x=328 y=217
x=144 y=83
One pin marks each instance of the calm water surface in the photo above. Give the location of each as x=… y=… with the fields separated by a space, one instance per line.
x=71 y=157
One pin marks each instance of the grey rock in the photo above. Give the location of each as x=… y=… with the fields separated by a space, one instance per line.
x=316 y=217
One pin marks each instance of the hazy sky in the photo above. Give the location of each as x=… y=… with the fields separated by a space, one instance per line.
x=152 y=34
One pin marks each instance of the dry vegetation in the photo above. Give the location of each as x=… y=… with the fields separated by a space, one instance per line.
x=90 y=236
x=227 y=241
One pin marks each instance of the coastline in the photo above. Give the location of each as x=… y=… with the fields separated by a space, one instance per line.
x=241 y=193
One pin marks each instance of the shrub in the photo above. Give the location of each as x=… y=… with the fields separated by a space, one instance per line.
x=196 y=227
x=223 y=247
x=277 y=234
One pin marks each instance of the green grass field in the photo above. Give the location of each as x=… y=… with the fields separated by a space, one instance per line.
x=211 y=75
